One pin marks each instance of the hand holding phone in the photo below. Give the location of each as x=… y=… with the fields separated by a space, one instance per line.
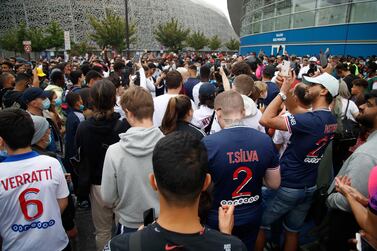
x=285 y=68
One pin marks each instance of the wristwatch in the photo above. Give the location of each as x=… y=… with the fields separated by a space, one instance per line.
x=283 y=96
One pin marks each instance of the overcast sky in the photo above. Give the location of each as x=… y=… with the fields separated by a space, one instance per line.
x=219 y=4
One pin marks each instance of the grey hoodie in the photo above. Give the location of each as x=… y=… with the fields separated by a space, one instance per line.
x=125 y=178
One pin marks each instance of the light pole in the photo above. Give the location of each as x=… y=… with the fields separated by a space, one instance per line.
x=127 y=30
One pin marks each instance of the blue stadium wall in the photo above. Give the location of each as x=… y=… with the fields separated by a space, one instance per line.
x=347 y=39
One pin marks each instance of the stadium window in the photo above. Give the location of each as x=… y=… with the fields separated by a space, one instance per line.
x=332 y=15
x=303 y=19
x=364 y=12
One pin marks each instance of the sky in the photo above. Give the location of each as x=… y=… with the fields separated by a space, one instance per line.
x=219 y=4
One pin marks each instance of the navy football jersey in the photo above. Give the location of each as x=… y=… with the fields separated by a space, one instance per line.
x=311 y=134
x=238 y=159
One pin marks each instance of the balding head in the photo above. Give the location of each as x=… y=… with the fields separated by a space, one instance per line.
x=229 y=107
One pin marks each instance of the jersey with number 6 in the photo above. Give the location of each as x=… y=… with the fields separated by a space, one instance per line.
x=30 y=219
x=238 y=159
x=311 y=134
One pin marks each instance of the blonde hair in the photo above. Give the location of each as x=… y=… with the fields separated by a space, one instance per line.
x=261 y=86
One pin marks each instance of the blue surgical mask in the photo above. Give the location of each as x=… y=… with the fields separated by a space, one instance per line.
x=46 y=104
x=3 y=153
x=58 y=102
x=82 y=107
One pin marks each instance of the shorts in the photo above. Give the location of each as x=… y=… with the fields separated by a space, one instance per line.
x=290 y=203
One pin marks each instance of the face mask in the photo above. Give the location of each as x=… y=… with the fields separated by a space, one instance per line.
x=58 y=102
x=3 y=153
x=82 y=107
x=46 y=104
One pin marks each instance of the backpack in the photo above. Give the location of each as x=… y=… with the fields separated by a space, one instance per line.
x=349 y=130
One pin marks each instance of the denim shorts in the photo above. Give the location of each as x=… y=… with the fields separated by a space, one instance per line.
x=290 y=203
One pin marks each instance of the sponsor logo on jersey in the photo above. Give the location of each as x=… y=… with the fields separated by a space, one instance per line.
x=240 y=201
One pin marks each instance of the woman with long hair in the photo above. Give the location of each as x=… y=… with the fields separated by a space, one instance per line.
x=178 y=116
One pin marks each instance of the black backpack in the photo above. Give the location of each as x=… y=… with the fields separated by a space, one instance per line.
x=349 y=130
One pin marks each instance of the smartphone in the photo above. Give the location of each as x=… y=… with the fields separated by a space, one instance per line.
x=285 y=68
x=137 y=57
x=217 y=64
x=149 y=216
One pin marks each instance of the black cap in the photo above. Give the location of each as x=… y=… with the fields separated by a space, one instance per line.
x=207 y=90
x=33 y=93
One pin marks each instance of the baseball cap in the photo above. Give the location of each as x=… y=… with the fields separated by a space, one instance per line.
x=326 y=80
x=313 y=59
x=207 y=90
x=33 y=93
x=40 y=72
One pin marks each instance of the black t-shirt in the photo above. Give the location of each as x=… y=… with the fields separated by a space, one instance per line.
x=156 y=238
x=348 y=79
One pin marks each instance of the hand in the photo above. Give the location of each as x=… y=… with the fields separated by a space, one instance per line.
x=222 y=72
x=343 y=186
x=262 y=108
x=226 y=219
x=287 y=82
x=35 y=73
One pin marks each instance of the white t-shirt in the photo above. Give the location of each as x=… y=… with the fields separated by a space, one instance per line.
x=281 y=138
x=195 y=93
x=30 y=219
x=202 y=117
x=352 y=109
x=160 y=105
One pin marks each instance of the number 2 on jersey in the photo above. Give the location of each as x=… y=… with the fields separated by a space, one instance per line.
x=249 y=175
x=25 y=203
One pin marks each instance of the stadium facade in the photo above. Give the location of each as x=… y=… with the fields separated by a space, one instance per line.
x=147 y=14
x=347 y=27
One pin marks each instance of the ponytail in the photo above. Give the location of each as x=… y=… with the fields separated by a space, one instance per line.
x=177 y=109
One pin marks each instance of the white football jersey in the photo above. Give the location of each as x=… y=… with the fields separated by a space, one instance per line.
x=30 y=218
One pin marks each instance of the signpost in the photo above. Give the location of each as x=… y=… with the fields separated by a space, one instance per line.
x=27 y=48
x=67 y=45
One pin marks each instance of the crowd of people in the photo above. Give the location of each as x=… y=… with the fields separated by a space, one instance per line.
x=189 y=151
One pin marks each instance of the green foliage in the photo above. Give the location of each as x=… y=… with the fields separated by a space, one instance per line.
x=55 y=36
x=233 y=45
x=9 y=40
x=171 y=35
x=37 y=38
x=197 y=40
x=214 y=43
x=111 y=31
x=79 y=49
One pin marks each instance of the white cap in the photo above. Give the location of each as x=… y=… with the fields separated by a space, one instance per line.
x=326 y=80
x=313 y=59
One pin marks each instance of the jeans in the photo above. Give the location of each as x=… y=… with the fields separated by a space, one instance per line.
x=290 y=203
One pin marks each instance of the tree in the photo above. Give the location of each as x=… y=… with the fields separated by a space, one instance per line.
x=171 y=34
x=55 y=35
x=22 y=34
x=79 y=49
x=214 y=43
x=233 y=45
x=197 y=40
x=111 y=31
x=9 y=40
x=38 y=39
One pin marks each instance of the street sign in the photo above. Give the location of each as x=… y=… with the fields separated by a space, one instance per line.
x=67 y=41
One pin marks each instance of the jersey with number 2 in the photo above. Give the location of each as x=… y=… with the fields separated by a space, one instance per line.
x=311 y=134
x=238 y=160
x=30 y=219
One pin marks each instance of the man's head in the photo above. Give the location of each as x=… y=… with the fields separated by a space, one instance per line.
x=174 y=80
x=35 y=98
x=41 y=135
x=57 y=78
x=368 y=111
x=244 y=85
x=342 y=70
x=74 y=100
x=137 y=103
x=301 y=98
x=359 y=86
x=20 y=68
x=77 y=77
x=103 y=95
x=324 y=86
x=6 y=67
x=192 y=71
x=205 y=73
x=269 y=72
x=229 y=107
x=91 y=77
x=22 y=81
x=305 y=61
x=241 y=68
x=180 y=166
x=7 y=80
x=207 y=94
x=16 y=130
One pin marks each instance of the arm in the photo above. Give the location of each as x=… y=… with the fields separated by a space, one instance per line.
x=225 y=79
x=36 y=81
x=272 y=178
x=63 y=203
x=226 y=219
x=143 y=79
x=109 y=181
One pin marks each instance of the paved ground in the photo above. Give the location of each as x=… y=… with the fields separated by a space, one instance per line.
x=85 y=240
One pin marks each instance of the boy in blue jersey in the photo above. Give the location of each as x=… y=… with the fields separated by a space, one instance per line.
x=311 y=133
x=240 y=160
